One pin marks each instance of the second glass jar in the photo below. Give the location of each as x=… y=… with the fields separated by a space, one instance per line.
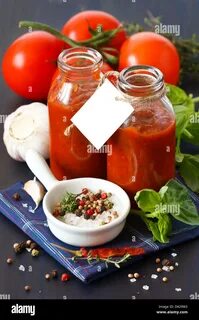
x=143 y=148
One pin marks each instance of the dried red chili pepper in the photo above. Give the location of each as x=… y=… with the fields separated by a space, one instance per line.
x=105 y=253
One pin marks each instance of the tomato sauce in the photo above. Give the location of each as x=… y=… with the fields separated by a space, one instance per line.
x=143 y=150
x=69 y=149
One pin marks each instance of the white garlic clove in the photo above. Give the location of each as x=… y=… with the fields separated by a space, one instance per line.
x=36 y=190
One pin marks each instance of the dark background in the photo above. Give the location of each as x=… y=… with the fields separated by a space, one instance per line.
x=117 y=285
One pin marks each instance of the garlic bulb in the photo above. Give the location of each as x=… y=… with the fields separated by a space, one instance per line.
x=27 y=128
x=36 y=190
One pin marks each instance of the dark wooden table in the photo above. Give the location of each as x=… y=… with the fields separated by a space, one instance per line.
x=116 y=285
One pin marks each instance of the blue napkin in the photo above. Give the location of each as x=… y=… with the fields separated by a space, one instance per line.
x=34 y=224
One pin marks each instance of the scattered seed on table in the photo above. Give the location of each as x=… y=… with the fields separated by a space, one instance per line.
x=176 y=264
x=145 y=287
x=171 y=268
x=65 y=277
x=130 y=275
x=16 y=196
x=27 y=288
x=164 y=279
x=166 y=262
x=54 y=274
x=33 y=245
x=133 y=280
x=9 y=261
x=28 y=243
x=154 y=276
x=157 y=260
x=47 y=276
x=136 y=275
x=159 y=269
x=178 y=289
x=15 y=245
x=174 y=254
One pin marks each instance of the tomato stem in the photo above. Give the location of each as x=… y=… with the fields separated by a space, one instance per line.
x=44 y=27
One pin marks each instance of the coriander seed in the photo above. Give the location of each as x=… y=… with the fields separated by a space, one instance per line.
x=130 y=275
x=9 y=261
x=157 y=260
x=159 y=269
x=164 y=279
x=136 y=275
x=27 y=288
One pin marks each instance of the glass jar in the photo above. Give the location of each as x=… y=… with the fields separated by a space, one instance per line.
x=143 y=148
x=77 y=79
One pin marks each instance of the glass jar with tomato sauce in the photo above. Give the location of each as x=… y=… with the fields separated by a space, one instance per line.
x=143 y=148
x=77 y=79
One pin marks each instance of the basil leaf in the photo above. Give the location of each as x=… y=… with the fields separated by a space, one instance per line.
x=176 y=95
x=189 y=170
x=153 y=227
x=179 y=203
x=147 y=200
x=165 y=227
x=191 y=134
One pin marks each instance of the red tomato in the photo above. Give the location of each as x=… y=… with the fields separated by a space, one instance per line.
x=30 y=62
x=152 y=49
x=77 y=27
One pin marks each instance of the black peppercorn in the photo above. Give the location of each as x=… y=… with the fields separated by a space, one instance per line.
x=19 y=247
x=16 y=196
x=78 y=213
x=54 y=274
x=33 y=245
x=86 y=216
x=93 y=217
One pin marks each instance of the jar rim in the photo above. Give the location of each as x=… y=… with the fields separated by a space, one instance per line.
x=142 y=70
x=82 y=52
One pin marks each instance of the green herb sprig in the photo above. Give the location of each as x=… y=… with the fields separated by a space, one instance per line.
x=68 y=203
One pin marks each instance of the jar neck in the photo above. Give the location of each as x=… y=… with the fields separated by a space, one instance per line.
x=80 y=63
x=142 y=82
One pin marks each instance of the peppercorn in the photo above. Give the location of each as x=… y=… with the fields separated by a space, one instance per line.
x=86 y=216
x=166 y=262
x=92 y=217
x=65 y=277
x=47 y=276
x=78 y=213
x=136 y=275
x=54 y=274
x=89 y=212
x=103 y=195
x=103 y=209
x=16 y=196
x=19 y=247
x=164 y=279
x=28 y=243
x=9 y=261
x=34 y=252
x=33 y=245
x=130 y=275
x=84 y=190
x=159 y=270
x=98 y=195
x=157 y=260
x=27 y=288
